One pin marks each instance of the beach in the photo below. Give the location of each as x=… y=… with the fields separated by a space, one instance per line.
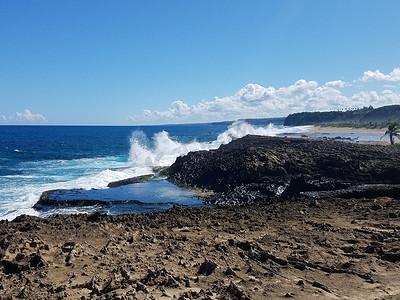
x=329 y=129
x=359 y=135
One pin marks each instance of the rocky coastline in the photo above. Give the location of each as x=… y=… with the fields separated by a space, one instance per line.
x=261 y=170
x=294 y=218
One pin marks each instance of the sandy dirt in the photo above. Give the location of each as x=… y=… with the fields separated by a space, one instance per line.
x=330 y=249
x=319 y=130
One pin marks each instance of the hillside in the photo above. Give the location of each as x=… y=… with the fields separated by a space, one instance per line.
x=377 y=117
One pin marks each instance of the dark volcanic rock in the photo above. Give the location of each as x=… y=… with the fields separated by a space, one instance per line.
x=130 y=180
x=259 y=169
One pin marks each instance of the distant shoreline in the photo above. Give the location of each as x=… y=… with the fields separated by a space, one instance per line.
x=320 y=129
x=315 y=130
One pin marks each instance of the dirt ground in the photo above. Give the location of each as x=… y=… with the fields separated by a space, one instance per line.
x=330 y=249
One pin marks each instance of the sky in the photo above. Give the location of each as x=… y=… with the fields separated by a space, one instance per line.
x=185 y=61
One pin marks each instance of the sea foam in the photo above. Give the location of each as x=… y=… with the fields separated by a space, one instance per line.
x=144 y=155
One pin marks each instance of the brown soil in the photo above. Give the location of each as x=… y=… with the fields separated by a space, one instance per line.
x=330 y=249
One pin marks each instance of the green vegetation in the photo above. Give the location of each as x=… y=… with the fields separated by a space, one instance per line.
x=393 y=130
x=354 y=125
x=366 y=117
x=395 y=146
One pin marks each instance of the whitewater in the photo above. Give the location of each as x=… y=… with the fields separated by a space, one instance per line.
x=71 y=164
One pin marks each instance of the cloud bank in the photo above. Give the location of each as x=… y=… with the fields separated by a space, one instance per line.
x=25 y=117
x=256 y=101
x=378 y=76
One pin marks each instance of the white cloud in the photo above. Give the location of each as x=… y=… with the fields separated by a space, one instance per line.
x=378 y=75
x=390 y=86
x=335 y=84
x=25 y=117
x=256 y=101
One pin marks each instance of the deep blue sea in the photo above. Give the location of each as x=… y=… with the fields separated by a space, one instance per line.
x=34 y=159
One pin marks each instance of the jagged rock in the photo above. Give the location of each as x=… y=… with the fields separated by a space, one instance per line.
x=230 y=272
x=235 y=291
x=207 y=267
x=257 y=169
x=10 y=267
x=68 y=247
x=37 y=261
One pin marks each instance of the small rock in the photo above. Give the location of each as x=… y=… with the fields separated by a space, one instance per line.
x=207 y=267
x=314 y=203
x=321 y=286
x=94 y=217
x=300 y=282
x=230 y=272
x=68 y=246
x=246 y=246
x=234 y=290
x=376 y=207
x=60 y=289
x=347 y=265
x=37 y=261
x=19 y=257
x=10 y=267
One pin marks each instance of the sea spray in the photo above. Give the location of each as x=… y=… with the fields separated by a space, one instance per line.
x=93 y=157
x=161 y=150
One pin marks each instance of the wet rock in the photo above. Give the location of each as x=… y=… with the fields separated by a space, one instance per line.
x=130 y=180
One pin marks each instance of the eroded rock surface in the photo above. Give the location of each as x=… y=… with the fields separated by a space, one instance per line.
x=332 y=249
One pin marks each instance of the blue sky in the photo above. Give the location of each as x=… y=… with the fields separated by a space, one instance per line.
x=156 y=62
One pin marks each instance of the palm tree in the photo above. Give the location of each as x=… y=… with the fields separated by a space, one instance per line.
x=393 y=131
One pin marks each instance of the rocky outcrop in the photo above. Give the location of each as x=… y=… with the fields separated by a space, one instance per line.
x=333 y=249
x=131 y=180
x=260 y=169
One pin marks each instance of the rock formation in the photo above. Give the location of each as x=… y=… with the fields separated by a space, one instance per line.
x=260 y=169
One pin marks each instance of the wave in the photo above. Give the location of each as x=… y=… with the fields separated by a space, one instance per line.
x=144 y=155
x=162 y=151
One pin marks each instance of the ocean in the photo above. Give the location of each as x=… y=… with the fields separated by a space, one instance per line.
x=34 y=159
